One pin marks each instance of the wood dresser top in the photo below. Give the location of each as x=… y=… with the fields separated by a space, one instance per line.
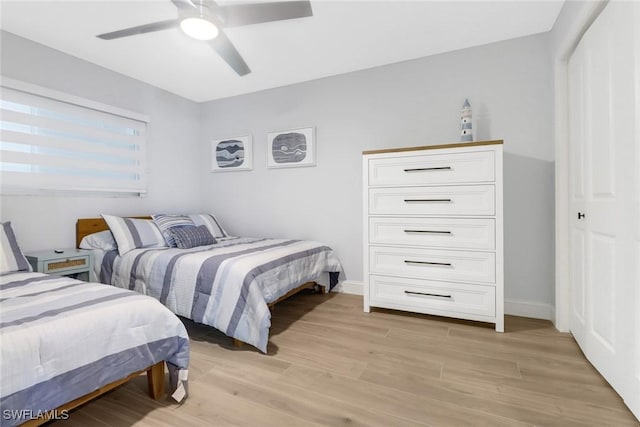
x=434 y=147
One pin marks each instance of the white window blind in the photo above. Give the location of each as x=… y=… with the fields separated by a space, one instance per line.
x=50 y=141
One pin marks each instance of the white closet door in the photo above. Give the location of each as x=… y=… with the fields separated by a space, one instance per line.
x=603 y=143
x=634 y=400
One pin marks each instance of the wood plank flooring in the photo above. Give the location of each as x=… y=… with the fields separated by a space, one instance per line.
x=330 y=364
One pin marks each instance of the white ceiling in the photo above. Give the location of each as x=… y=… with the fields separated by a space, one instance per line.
x=342 y=36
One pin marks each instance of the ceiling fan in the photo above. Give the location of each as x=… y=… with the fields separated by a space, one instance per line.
x=205 y=20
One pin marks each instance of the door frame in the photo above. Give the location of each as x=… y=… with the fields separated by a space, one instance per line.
x=563 y=46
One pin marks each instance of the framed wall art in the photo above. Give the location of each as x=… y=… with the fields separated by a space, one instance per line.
x=291 y=148
x=232 y=154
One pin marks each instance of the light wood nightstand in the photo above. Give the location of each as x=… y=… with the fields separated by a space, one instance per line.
x=76 y=263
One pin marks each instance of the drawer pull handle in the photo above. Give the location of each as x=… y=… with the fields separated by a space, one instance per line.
x=446 y=264
x=426 y=294
x=443 y=168
x=427 y=231
x=426 y=200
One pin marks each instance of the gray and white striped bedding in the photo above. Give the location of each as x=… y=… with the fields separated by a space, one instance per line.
x=63 y=338
x=226 y=285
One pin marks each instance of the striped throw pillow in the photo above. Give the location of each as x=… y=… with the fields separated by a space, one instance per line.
x=166 y=222
x=209 y=221
x=190 y=237
x=132 y=233
x=11 y=259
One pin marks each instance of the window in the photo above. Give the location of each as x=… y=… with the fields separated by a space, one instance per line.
x=50 y=141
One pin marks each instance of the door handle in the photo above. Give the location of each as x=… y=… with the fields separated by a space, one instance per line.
x=580 y=215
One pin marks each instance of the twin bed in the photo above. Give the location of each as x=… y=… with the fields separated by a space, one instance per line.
x=229 y=285
x=65 y=341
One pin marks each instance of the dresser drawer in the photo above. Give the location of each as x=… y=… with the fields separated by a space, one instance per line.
x=433 y=264
x=446 y=200
x=452 y=168
x=66 y=265
x=428 y=295
x=462 y=233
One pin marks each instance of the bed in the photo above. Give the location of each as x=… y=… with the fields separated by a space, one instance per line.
x=229 y=285
x=65 y=342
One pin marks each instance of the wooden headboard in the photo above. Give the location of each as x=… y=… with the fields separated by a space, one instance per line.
x=86 y=226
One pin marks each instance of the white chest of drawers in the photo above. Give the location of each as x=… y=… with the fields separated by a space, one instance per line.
x=433 y=230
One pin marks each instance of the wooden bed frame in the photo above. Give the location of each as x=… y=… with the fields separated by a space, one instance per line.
x=155 y=379
x=86 y=226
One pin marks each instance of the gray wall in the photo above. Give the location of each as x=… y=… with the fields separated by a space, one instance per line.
x=43 y=222
x=510 y=87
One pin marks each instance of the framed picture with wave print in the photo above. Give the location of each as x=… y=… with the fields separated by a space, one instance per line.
x=291 y=148
x=232 y=154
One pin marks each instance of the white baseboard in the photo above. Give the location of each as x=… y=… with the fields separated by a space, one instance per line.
x=536 y=310
x=349 y=287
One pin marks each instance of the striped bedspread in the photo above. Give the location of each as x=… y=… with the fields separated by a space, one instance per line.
x=227 y=285
x=62 y=338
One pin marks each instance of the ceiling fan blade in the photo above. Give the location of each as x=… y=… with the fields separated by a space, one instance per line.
x=248 y=14
x=141 y=29
x=183 y=4
x=228 y=52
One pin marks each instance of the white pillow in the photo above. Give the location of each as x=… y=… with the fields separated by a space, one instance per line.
x=209 y=221
x=132 y=233
x=102 y=240
x=11 y=257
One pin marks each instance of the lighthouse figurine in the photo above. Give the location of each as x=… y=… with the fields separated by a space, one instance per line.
x=466 y=133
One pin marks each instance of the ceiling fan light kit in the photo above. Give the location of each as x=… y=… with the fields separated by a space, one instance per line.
x=206 y=20
x=199 y=28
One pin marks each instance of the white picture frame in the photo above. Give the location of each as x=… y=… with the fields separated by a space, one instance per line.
x=232 y=154
x=291 y=148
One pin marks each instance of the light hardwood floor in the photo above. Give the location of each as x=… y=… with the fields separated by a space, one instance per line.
x=331 y=364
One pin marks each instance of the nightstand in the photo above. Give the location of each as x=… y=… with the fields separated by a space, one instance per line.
x=76 y=263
